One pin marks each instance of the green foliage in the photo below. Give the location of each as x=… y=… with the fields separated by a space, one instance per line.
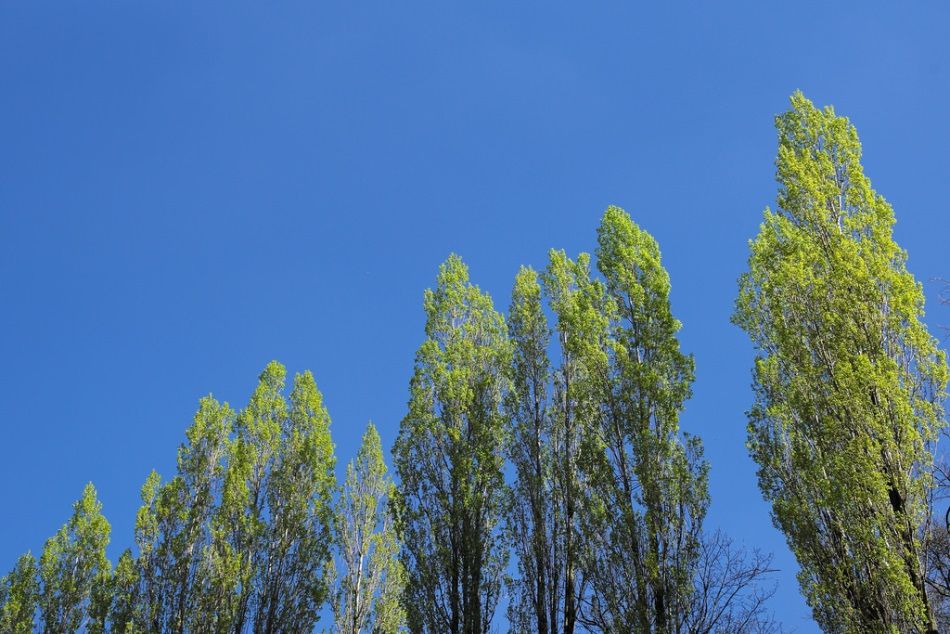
x=172 y=527
x=535 y=517
x=582 y=313
x=449 y=460
x=240 y=537
x=608 y=497
x=271 y=533
x=19 y=597
x=648 y=482
x=124 y=611
x=74 y=568
x=848 y=382
x=370 y=578
x=606 y=487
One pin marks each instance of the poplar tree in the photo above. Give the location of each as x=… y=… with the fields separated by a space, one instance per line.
x=551 y=409
x=173 y=528
x=124 y=611
x=19 y=597
x=448 y=456
x=848 y=382
x=649 y=484
x=74 y=570
x=582 y=312
x=534 y=516
x=370 y=579
x=609 y=497
x=239 y=539
x=272 y=529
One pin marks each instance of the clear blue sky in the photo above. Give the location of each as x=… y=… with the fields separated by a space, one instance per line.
x=188 y=190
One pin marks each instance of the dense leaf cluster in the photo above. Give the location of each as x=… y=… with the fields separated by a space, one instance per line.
x=849 y=384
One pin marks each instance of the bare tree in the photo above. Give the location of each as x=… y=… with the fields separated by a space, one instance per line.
x=729 y=595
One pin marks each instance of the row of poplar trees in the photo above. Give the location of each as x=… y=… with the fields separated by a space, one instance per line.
x=252 y=534
x=541 y=470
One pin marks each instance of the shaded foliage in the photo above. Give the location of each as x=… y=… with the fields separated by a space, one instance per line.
x=448 y=456
x=609 y=498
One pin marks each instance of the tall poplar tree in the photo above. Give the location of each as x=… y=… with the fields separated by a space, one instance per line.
x=367 y=596
x=449 y=460
x=173 y=528
x=649 y=486
x=272 y=529
x=609 y=497
x=848 y=382
x=74 y=570
x=239 y=539
x=581 y=311
x=552 y=410
x=534 y=517
x=124 y=610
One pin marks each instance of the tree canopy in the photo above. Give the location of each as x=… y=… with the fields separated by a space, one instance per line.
x=849 y=384
x=540 y=468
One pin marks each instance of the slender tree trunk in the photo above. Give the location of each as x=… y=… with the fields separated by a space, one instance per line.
x=540 y=532
x=570 y=606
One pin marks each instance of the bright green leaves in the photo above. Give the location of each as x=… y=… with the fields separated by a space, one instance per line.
x=173 y=527
x=240 y=537
x=849 y=383
x=644 y=331
x=271 y=531
x=19 y=597
x=74 y=569
x=582 y=315
x=647 y=483
x=370 y=578
x=289 y=582
x=608 y=497
x=449 y=459
x=124 y=609
x=629 y=259
x=533 y=516
x=606 y=487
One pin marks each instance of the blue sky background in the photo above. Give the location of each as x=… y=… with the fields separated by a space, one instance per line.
x=188 y=190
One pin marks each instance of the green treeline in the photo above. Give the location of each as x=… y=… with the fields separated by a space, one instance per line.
x=540 y=465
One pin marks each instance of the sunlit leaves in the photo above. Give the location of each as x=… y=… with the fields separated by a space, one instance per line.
x=449 y=460
x=848 y=382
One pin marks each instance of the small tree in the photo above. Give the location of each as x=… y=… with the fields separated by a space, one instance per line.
x=74 y=569
x=370 y=579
